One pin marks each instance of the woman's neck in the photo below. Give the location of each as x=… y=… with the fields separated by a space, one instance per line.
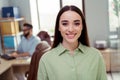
x=70 y=46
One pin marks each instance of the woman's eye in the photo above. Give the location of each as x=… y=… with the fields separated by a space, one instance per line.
x=64 y=24
x=77 y=24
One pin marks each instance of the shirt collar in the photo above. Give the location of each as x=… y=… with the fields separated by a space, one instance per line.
x=81 y=47
x=61 y=49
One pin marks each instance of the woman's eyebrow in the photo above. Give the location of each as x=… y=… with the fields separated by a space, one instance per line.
x=67 y=20
x=76 y=20
x=64 y=20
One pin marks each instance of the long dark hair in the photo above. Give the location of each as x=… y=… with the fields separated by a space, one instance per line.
x=57 y=35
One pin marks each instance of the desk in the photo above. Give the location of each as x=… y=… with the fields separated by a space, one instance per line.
x=107 y=58
x=9 y=67
x=112 y=59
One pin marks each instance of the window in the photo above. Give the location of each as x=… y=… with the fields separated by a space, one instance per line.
x=78 y=3
x=114 y=23
x=48 y=10
x=114 y=12
x=47 y=14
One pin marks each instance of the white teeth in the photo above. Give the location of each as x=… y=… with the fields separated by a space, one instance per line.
x=70 y=36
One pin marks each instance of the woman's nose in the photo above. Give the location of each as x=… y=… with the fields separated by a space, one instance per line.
x=70 y=28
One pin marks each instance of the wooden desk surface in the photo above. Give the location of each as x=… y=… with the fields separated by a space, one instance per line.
x=18 y=62
x=6 y=64
x=110 y=51
x=111 y=58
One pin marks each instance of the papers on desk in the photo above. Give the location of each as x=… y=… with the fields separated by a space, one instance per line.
x=28 y=59
x=22 y=61
x=25 y=58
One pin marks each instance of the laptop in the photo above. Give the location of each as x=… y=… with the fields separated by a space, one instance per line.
x=7 y=57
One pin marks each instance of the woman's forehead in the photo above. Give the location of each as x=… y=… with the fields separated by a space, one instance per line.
x=70 y=15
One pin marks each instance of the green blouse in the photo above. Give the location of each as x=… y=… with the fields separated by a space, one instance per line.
x=86 y=64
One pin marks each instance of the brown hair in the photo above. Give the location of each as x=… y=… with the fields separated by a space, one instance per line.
x=41 y=48
x=57 y=35
x=44 y=36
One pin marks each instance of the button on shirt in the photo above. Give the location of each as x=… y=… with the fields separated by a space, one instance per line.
x=28 y=45
x=86 y=64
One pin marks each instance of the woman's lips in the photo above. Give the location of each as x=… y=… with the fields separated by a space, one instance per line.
x=70 y=36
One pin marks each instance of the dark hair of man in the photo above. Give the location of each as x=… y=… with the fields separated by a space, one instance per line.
x=28 y=25
x=57 y=35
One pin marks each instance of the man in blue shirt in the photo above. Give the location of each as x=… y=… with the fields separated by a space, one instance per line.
x=28 y=42
x=25 y=48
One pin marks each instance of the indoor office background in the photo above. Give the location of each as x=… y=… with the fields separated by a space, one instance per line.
x=102 y=17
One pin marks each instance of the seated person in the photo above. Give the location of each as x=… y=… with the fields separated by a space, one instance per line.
x=28 y=42
x=41 y=48
x=25 y=48
x=44 y=36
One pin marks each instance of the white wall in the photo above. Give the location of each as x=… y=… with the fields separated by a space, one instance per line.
x=97 y=19
x=34 y=16
x=3 y=3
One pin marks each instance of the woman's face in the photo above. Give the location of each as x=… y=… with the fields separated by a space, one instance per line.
x=70 y=26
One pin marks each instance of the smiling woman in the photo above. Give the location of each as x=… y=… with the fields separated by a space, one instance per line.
x=71 y=57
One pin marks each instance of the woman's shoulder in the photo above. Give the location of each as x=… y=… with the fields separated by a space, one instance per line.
x=92 y=50
x=49 y=54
